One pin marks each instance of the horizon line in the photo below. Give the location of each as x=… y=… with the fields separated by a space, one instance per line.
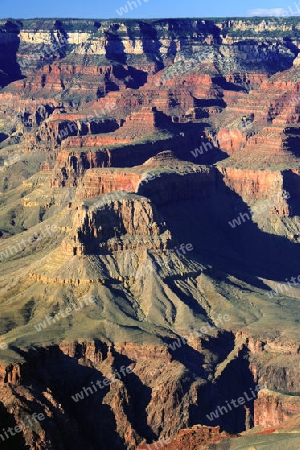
x=151 y=18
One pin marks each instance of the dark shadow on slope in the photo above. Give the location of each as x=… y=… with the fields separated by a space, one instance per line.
x=213 y=351
x=65 y=376
x=115 y=49
x=219 y=347
x=140 y=396
x=290 y=45
x=220 y=396
x=188 y=301
x=228 y=86
x=58 y=427
x=196 y=147
x=151 y=43
x=186 y=355
x=206 y=103
x=209 y=156
x=172 y=50
x=8 y=441
x=133 y=78
x=269 y=59
x=9 y=67
x=242 y=249
x=291 y=185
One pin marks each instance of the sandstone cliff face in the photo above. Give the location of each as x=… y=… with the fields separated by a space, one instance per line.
x=72 y=165
x=43 y=43
x=252 y=185
x=11 y=374
x=200 y=437
x=96 y=183
x=114 y=110
x=137 y=125
x=81 y=363
x=273 y=409
x=278 y=188
x=163 y=36
x=120 y=224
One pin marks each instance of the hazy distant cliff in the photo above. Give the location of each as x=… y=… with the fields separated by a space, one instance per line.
x=253 y=41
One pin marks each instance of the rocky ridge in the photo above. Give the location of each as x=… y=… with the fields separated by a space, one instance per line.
x=136 y=141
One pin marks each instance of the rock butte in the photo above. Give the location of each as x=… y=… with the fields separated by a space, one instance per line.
x=136 y=139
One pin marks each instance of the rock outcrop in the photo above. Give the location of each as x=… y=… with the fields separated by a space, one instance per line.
x=137 y=142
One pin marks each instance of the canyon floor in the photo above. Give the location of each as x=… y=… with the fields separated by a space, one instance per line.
x=149 y=234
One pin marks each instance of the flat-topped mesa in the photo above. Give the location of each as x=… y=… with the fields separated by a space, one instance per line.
x=138 y=124
x=162 y=187
x=55 y=130
x=96 y=141
x=117 y=222
x=71 y=166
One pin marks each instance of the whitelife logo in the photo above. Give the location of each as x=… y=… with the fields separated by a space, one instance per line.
x=235 y=403
x=26 y=423
x=132 y=5
x=20 y=246
x=203 y=331
x=101 y=384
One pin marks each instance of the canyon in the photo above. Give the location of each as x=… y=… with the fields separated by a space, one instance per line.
x=136 y=140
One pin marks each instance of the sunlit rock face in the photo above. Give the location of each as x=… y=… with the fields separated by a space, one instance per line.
x=149 y=232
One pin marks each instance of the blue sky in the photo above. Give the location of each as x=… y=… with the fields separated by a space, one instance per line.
x=99 y=9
